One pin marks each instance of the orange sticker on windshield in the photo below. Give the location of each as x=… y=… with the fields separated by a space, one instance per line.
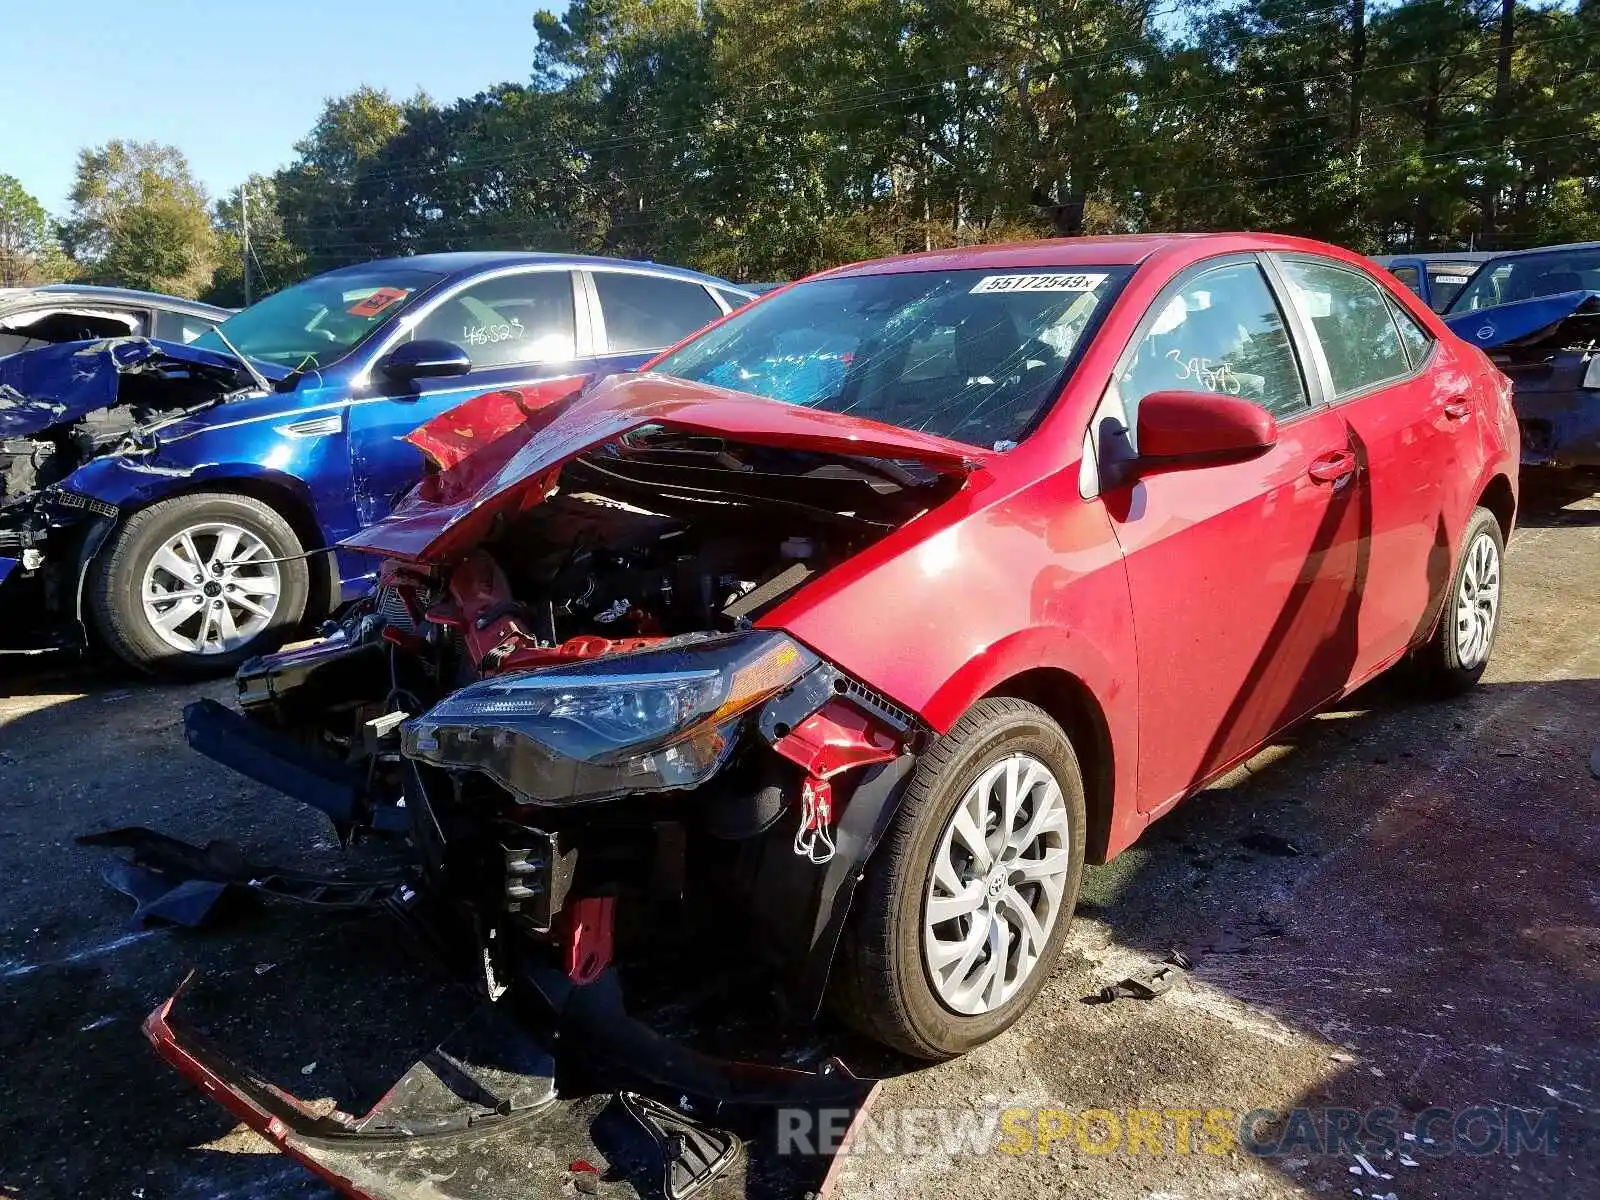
x=371 y=306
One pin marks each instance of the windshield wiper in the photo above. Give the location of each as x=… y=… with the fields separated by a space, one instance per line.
x=257 y=376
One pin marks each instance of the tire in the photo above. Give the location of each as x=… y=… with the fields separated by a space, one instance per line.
x=884 y=981
x=1451 y=662
x=133 y=580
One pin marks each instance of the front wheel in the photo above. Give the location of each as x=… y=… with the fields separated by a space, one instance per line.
x=1459 y=653
x=966 y=903
x=196 y=584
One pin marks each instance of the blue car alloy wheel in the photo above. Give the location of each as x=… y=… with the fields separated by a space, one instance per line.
x=199 y=583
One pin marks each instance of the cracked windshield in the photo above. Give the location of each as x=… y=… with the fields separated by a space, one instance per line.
x=975 y=356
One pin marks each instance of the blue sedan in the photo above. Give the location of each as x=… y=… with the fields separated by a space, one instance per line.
x=179 y=500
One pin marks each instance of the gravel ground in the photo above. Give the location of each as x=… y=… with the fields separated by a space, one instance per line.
x=1398 y=907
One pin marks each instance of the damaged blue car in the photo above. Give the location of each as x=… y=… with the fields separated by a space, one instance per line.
x=177 y=502
x=1536 y=313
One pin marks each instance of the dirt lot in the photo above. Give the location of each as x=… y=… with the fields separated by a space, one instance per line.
x=1398 y=907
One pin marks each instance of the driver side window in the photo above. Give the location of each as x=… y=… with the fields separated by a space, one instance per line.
x=508 y=320
x=1221 y=332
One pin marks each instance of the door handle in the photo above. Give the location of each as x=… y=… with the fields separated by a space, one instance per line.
x=1335 y=468
x=1458 y=410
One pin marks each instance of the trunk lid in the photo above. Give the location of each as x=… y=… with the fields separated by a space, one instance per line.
x=1528 y=321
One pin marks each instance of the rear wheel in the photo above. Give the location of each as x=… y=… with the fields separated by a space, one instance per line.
x=1459 y=653
x=197 y=584
x=967 y=902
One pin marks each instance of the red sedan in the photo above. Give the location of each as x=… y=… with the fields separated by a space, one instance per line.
x=901 y=594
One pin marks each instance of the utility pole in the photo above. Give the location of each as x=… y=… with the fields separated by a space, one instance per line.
x=244 y=230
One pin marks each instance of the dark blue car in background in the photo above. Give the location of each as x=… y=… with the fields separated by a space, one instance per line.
x=172 y=497
x=1536 y=313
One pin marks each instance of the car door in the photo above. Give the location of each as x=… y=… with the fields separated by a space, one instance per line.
x=1407 y=405
x=1239 y=573
x=637 y=314
x=517 y=327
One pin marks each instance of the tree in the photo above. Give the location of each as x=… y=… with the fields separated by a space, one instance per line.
x=274 y=261
x=322 y=195
x=139 y=219
x=28 y=250
x=768 y=138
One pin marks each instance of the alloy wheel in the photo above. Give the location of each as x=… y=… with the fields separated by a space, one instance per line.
x=211 y=589
x=996 y=886
x=1477 y=601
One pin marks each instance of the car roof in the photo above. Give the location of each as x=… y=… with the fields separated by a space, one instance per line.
x=1569 y=247
x=469 y=262
x=1129 y=250
x=90 y=292
x=1435 y=257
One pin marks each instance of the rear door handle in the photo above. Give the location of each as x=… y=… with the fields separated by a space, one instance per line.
x=1458 y=410
x=1335 y=468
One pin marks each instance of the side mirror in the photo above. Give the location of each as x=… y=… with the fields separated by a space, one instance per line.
x=425 y=358
x=1201 y=429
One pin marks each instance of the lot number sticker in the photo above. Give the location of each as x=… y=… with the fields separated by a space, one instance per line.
x=371 y=306
x=1038 y=283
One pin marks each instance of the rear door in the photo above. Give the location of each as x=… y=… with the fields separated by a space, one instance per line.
x=1239 y=573
x=517 y=328
x=1407 y=406
x=637 y=314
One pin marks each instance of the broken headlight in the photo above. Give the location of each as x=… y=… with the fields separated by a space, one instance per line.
x=656 y=720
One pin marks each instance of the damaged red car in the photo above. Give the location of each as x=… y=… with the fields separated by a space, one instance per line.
x=868 y=616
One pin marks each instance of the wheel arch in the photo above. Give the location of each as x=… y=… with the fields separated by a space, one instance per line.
x=288 y=496
x=1090 y=691
x=1072 y=705
x=1500 y=498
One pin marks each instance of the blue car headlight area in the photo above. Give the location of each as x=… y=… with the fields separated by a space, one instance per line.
x=657 y=720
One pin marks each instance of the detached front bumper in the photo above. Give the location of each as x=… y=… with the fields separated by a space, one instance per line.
x=488 y=1115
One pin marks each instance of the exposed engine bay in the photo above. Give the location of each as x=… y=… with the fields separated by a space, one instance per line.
x=58 y=410
x=62 y=407
x=577 y=722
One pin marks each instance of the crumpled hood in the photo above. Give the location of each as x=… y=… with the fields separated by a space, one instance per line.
x=561 y=419
x=1522 y=320
x=57 y=384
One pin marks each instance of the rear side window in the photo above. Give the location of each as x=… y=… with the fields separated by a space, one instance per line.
x=647 y=312
x=1220 y=332
x=1352 y=320
x=1417 y=340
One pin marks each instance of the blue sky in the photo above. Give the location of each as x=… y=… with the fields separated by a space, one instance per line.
x=232 y=83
